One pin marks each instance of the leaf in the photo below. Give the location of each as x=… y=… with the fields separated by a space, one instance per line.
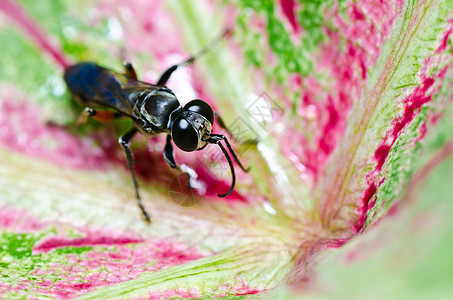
x=351 y=104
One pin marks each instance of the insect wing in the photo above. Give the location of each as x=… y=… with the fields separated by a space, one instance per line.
x=98 y=87
x=126 y=94
x=111 y=91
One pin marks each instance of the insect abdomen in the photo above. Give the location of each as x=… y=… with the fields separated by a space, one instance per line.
x=93 y=85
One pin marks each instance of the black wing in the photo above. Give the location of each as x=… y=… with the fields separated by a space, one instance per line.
x=98 y=87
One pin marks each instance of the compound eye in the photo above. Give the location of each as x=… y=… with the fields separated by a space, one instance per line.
x=200 y=107
x=184 y=135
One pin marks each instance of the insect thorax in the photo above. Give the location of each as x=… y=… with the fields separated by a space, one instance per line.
x=155 y=109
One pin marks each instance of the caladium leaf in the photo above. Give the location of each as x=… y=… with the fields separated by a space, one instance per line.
x=350 y=102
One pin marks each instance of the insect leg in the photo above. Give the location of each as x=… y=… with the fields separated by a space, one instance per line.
x=85 y=116
x=124 y=142
x=167 y=73
x=130 y=71
x=168 y=154
x=99 y=115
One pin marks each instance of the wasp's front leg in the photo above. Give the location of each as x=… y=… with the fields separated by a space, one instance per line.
x=124 y=142
x=169 y=154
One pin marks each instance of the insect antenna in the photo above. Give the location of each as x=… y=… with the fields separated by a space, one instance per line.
x=233 y=175
x=236 y=159
x=215 y=139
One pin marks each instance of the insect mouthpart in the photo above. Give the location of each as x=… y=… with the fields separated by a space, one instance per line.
x=205 y=132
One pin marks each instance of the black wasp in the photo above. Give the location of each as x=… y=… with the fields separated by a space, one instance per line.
x=153 y=108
